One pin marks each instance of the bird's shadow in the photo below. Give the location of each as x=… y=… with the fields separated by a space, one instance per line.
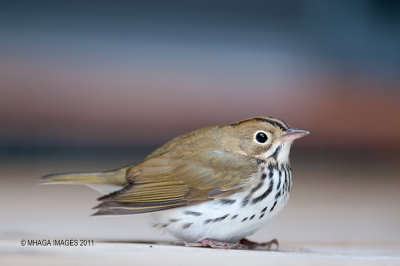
x=182 y=244
x=143 y=242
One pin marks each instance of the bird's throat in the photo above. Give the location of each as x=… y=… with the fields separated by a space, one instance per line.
x=279 y=153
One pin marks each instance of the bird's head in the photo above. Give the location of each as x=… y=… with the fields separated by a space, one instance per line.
x=266 y=137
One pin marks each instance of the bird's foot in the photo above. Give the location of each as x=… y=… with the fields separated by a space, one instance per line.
x=207 y=242
x=271 y=245
x=242 y=244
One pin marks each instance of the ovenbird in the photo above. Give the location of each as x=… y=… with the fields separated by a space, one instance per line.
x=213 y=186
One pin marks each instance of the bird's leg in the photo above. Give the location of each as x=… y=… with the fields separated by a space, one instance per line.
x=207 y=242
x=271 y=245
x=242 y=244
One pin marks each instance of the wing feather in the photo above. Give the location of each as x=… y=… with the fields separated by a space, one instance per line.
x=165 y=181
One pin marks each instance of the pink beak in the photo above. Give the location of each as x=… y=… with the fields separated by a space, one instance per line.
x=291 y=135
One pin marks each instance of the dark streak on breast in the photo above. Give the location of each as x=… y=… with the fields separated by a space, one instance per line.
x=266 y=193
x=254 y=189
x=218 y=219
x=246 y=200
x=271 y=173
x=288 y=176
x=278 y=195
x=227 y=201
x=270 y=167
x=193 y=213
x=286 y=183
x=221 y=218
x=279 y=183
x=187 y=225
x=273 y=206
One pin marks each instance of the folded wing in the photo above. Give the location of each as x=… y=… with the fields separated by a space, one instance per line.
x=162 y=182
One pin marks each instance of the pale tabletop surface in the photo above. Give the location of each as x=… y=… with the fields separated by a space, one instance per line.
x=331 y=219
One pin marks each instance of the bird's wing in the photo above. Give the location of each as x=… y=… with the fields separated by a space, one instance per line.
x=161 y=182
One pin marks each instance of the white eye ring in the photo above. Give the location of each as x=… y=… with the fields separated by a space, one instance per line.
x=261 y=137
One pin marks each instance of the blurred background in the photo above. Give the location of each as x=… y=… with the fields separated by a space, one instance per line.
x=94 y=85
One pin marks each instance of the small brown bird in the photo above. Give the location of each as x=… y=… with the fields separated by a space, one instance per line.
x=210 y=187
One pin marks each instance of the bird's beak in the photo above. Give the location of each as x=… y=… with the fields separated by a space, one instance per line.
x=291 y=134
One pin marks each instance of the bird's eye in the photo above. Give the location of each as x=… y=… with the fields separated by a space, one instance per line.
x=261 y=137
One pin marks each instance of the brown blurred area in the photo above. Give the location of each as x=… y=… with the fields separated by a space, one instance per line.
x=341 y=114
x=105 y=106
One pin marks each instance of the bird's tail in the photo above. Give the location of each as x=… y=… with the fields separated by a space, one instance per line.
x=104 y=182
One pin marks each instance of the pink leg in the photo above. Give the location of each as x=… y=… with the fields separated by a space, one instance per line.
x=242 y=244
x=207 y=242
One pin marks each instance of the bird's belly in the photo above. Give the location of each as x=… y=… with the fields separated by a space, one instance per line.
x=231 y=218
